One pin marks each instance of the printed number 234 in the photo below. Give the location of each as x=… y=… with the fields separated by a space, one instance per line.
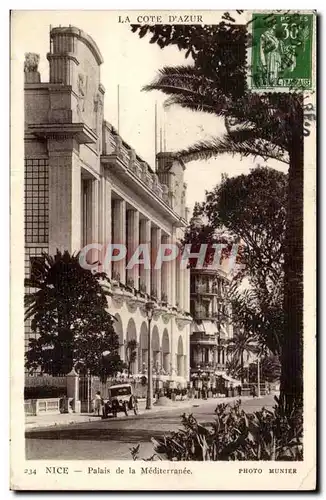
x=30 y=471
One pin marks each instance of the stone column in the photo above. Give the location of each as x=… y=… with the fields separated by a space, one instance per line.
x=186 y=297
x=145 y=239
x=156 y=273
x=106 y=222
x=73 y=390
x=132 y=245
x=187 y=361
x=157 y=358
x=164 y=274
x=180 y=365
x=173 y=355
x=172 y=272
x=181 y=273
x=177 y=285
x=94 y=255
x=215 y=356
x=119 y=237
x=166 y=361
x=185 y=367
x=64 y=198
x=95 y=212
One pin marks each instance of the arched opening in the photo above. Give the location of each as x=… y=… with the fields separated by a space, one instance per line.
x=157 y=361
x=166 y=351
x=117 y=324
x=131 y=348
x=180 y=358
x=143 y=339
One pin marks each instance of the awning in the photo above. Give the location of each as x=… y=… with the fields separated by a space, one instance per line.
x=205 y=326
x=228 y=378
x=232 y=380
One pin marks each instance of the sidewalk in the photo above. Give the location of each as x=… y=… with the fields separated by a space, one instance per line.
x=39 y=421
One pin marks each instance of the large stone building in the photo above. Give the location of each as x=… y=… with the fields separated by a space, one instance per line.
x=212 y=325
x=84 y=184
x=211 y=311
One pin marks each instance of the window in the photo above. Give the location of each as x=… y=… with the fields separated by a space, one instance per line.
x=36 y=201
x=86 y=211
x=193 y=287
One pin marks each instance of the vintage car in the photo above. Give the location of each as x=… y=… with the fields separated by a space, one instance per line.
x=121 y=398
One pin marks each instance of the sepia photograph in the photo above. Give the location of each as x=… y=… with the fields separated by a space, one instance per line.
x=163 y=307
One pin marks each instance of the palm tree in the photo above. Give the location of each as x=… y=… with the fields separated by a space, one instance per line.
x=240 y=344
x=269 y=126
x=67 y=306
x=233 y=368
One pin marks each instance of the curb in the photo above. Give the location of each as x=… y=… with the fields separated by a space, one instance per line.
x=38 y=425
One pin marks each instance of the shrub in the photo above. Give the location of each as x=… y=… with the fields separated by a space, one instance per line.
x=45 y=391
x=234 y=435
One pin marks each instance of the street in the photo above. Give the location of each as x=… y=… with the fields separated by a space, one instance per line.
x=112 y=439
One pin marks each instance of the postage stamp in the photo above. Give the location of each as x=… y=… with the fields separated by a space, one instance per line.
x=281 y=51
x=163 y=242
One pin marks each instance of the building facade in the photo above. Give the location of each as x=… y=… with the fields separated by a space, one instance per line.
x=212 y=322
x=84 y=184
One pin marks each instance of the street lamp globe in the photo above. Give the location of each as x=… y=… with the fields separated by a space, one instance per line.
x=149 y=308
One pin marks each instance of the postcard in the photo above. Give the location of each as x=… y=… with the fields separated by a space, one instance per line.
x=163 y=249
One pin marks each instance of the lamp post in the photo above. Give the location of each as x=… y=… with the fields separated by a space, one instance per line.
x=149 y=398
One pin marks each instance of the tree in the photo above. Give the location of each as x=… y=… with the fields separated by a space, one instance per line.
x=67 y=306
x=269 y=125
x=201 y=231
x=250 y=209
x=131 y=354
x=270 y=369
x=253 y=208
x=233 y=368
x=240 y=344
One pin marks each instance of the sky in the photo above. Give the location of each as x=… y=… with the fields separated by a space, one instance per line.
x=131 y=63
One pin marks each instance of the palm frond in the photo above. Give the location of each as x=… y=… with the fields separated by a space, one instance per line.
x=187 y=102
x=183 y=75
x=231 y=144
x=182 y=70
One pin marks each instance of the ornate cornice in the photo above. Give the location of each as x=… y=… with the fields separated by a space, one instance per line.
x=65 y=55
x=81 y=35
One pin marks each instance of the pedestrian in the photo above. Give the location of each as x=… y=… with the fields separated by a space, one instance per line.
x=239 y=390
x=98 y=402
x=253 y=391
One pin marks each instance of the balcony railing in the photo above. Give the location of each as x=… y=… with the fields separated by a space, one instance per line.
x=114 y=145
x=211 y=366
x=203 y=338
